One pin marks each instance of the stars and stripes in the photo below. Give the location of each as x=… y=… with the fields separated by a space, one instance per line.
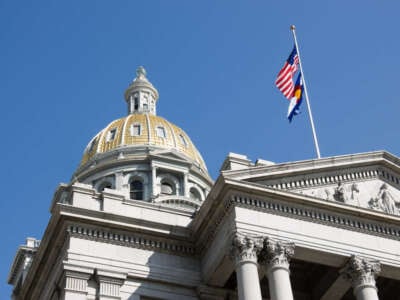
x=284 y=81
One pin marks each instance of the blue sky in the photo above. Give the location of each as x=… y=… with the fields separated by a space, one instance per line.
x=64 y=66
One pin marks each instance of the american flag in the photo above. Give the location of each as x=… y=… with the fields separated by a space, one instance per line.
x=284 y=81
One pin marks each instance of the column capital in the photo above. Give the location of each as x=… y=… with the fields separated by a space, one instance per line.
x=276 y=253
x=361 y=272
x=245 y=248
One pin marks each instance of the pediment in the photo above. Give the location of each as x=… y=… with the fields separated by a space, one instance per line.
x=371 y=182
x=169 y=155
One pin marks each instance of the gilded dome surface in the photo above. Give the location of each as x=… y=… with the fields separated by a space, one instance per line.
x=142 y=129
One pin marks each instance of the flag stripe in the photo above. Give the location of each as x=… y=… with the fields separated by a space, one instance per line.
x=284 y=80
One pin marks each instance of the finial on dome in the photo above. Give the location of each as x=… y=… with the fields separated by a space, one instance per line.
x=141 y=72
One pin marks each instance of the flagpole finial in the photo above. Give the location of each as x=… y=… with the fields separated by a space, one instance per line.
x=292 y=27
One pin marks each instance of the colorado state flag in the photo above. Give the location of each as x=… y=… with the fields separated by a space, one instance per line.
x=297 y=98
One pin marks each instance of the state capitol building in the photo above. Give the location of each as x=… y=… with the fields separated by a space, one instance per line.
x=142 y=219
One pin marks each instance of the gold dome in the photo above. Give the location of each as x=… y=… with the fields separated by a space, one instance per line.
x=142 y=130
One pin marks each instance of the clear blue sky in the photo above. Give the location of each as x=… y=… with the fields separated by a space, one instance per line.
x=64 y=66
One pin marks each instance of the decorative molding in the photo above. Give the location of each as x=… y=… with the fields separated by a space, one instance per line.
x=361 y=272
x=109 y=287
x=130 y=240
x=276 y=253
x=76 y=282
x=318 y=215
x=245 y=248
x=212 y=230
x=314 y=181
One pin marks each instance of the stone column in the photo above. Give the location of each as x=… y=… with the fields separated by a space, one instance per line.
x=153 y=182
x=275 y=256
x=244 y=253
x=119 y=177
x=186 y=184
x=362 y=272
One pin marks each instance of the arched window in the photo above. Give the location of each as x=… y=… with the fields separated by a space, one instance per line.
x=167 y=188
x=104 y=185
x=194 y=194
x=136 y=190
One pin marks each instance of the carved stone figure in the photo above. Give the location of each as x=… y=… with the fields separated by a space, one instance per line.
x=354 y=190
x=374 y=204
x=338 y=195
x=385 y=201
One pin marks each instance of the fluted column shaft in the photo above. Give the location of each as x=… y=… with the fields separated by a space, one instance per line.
x=362 y=272
x=244 y=252
x=275 y=256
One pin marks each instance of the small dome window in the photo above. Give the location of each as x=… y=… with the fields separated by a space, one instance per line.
x=136 y=130
x=136 y=103
x=136 y=190
x=183 y=140
x=167 y=188
x=111 y=134
x=104 y=185
x=90 y=147
x=161 y=132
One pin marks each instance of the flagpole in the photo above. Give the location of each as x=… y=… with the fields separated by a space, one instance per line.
x=293 y=28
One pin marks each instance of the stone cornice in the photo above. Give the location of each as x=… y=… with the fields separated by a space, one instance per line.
x=134 y=240
x=124 y=222
x=315 y=165
x=144 y=154
x=353 y=220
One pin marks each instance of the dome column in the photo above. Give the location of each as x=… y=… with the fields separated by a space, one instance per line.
x=186 y=184
x=153 y=182
x=119 y=180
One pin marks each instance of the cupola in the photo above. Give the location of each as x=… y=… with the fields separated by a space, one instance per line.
x=141 y=96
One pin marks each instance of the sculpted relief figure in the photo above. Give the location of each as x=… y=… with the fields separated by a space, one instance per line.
x=354 y=191
x=347 y=193
x=385 y=201
x=339 y=195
